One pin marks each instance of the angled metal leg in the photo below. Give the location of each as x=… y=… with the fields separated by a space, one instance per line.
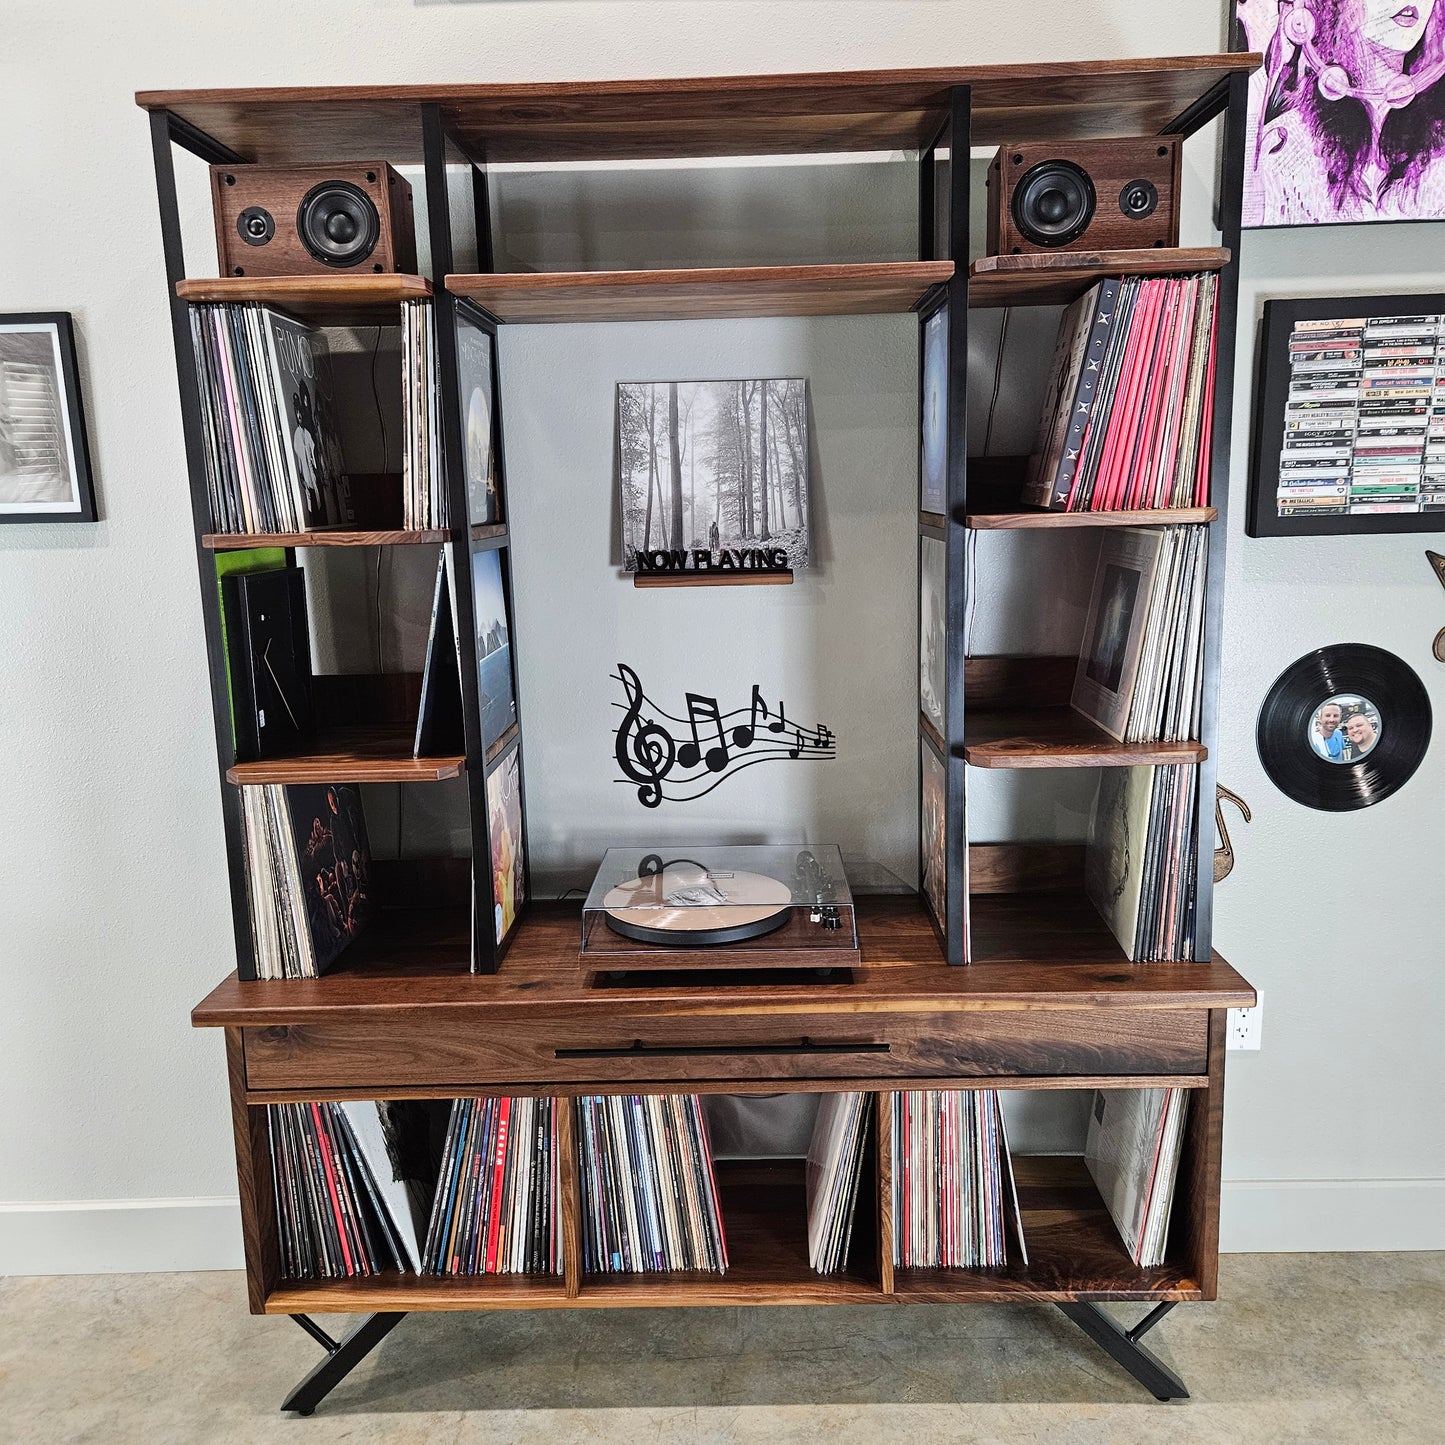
x=1123 y=1345
x=342 y=1357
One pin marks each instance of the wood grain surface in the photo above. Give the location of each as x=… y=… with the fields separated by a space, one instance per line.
x=1060 y=738
x=859 y=289
x=349 y=300
x=735 y=115
x=1054 y=278
x=903 y=972
x=379 y=753
x=1036 y=520
x=236 y=541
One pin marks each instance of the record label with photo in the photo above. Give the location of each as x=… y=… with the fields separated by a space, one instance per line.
x=1344 y=727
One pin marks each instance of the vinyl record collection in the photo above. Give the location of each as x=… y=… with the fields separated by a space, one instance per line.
x=423 y=488
x=495 y=1210
x=1128 y=413
x=341 y=1212
x=649 y=1196
x=951 y=1172
x=835 y=1169
x=1141 y=669
x=1133 y=1147
x=308 y=875
x=1139 y=862
x=273 y=461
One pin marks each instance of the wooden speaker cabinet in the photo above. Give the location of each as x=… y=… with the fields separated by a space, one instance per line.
x=312 y=220
x=1087 y=195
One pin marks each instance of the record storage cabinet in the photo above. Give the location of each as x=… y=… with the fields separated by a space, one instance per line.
x=1040 y=997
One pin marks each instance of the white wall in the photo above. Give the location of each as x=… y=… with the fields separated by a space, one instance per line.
x=114 y=1134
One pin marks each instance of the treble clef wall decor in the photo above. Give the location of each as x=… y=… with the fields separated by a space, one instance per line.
x=645 y=750
x=709 y=746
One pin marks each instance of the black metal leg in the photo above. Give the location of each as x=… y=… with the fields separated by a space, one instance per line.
x=341 y=1357
x=1123 y=1345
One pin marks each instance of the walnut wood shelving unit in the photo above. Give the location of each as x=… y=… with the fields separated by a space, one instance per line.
x=1049 y=999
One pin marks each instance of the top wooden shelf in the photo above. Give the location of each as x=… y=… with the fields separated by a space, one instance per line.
x=703 y=293
x=366 y=300
x=903 y=970
x=1056 y=278
x=839 y=111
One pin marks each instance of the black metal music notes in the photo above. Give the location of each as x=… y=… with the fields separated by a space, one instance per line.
x=680 y=759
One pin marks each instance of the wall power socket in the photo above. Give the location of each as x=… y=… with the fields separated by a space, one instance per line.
x=1244 y=1026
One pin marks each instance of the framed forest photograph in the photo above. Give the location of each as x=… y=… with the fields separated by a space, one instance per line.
x=713 y=474
x=44 y=457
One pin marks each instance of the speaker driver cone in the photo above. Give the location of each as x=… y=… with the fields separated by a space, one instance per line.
x=338 y=223
x=1053 y=203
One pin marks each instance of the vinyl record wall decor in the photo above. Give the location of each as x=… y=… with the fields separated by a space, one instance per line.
x=1344 y=727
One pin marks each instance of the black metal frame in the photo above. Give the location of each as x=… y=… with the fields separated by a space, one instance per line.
x=1124 y=1348
x=943 y=228
x=342 y=1357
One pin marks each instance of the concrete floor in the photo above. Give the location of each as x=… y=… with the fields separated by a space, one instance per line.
x=1332 y=1348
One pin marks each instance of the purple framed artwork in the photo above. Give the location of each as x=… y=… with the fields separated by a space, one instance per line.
x=1347 y=114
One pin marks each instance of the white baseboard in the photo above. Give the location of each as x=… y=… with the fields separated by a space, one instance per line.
x=1257 y=1216
x=120 y=1236
x=1305 y=1216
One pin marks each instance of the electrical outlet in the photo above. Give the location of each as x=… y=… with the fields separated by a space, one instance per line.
x=1245 y=1025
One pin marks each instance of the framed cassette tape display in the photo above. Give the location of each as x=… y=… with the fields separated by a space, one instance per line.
x=1349 y=423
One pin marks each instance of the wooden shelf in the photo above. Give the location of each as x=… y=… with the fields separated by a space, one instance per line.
x=903 y=970
x=391 y=1290
x=1062 y=925
x=712 y=579
x=1054 y=278
x=840 y=111
x=703 y=294
x=765 y=1220
x=1058 y=737
x=1034 y=520
x=236 y=541
x=365 y=300
x=380 y=754
x=1074 y=1250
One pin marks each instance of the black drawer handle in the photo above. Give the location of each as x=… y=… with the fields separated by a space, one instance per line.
x=640 y=1050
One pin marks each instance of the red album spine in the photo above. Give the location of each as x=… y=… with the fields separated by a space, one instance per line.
x=328 y=1169
x=499 y=1160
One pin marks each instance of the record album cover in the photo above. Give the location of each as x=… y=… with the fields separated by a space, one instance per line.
x=333 y=859
x=301 y=376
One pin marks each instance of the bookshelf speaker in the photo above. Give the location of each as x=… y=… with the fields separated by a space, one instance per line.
x=312 y=220
x=1098 y=195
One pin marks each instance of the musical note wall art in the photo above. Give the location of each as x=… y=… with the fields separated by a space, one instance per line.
x=676 y=758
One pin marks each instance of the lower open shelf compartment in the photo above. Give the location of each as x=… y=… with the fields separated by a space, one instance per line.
x=1074 y=1252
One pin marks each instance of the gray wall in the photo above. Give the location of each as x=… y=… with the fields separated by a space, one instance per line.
x=114 y=1135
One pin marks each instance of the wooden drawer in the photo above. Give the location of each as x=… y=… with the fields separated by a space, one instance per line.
x=460 y=1054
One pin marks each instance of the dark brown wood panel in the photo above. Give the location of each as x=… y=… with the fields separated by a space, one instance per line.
x=735 y=115
x=903 y=972
x=1025 y=868
x=703 y=294
x=237 y=541
x=363 y=300
x=1055 y=278
x=1074 y=1250
x=712 y=579
x=391 y=1290
x=1195 y=1228
x=883 y=1182
x=1060 y=738
x=458 y=1056
x=570 y=1204
x=377 y=754
x=1012 y=683
x=254 y=1180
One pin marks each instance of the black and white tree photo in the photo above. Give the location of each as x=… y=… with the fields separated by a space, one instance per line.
x=715 y=467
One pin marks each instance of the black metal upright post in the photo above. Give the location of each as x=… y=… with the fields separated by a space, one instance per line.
x=955 y=533
x=485 y=955
x=165 y=129
x=1231 y=194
